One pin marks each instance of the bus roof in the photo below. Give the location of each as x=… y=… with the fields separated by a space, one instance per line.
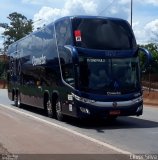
x=89 y=17
x=70 y=17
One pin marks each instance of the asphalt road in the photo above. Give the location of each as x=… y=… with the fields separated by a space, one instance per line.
x=137 y=135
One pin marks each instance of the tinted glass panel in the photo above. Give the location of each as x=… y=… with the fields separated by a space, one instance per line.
x=63 y=32
x=103 y=34
x=64 y=37
x=67 y=68
x=109 y=75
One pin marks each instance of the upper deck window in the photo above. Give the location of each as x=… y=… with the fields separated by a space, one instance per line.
x=103 y=34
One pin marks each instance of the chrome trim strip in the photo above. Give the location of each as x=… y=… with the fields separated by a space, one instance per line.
x=108 y=104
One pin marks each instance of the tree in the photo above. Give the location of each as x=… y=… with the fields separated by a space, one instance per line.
x=153 y=48
x=18 y=28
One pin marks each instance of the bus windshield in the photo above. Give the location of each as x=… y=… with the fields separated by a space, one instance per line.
x=103 y=34
x=103 y=76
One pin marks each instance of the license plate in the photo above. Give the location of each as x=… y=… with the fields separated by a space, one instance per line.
x=116 y=112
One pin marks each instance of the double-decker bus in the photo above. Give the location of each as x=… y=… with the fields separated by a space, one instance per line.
x=80 y=66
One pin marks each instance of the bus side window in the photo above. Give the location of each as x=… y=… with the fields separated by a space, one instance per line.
x=68 y=70
x=63 y=35
x=63 y=32
x=68 y=75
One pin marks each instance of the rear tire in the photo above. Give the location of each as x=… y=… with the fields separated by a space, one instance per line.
x=17 y=100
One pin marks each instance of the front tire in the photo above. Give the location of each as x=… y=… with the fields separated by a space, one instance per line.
x=59 y=114
x=49 y=109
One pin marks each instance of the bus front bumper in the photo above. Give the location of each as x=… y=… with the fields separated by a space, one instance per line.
x=85 y=110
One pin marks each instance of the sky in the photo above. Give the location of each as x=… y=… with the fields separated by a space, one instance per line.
x=145 y=13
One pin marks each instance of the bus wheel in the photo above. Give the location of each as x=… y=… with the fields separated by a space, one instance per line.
x=49 y=109
x=59 y=115
x=17 y=100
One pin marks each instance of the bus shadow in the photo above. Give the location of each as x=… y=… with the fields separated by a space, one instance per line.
x=121 y=123
x=102 y=124
x=32 y=109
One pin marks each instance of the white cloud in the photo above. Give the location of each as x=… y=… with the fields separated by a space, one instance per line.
x=49 y=3
x=1 y=44
x=83 y=7
x=1 y=37
x=32 y=1
x=153 y=2
x=151 y=29
x=110 y=8
x=135 y=24
x=147 y=33
x=113 y=8
x=124 y=1
x=152 y=26
x=1 y=30
x=36 y=2
x=47 y=14
x=71 y=7
x=140 y=35
x=43 y=2
x=141 y=2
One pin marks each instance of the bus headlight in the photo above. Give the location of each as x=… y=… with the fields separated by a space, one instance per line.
x=137 y=100
x=139 y=108
x=84 y=110
x=84 y=100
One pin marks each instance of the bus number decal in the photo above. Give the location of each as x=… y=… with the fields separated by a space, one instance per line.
x=78 y=36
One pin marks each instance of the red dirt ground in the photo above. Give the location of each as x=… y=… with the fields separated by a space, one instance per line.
x=151 y=98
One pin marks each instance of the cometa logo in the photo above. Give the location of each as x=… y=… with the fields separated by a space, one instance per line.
x=114 y=104
x=39 y=60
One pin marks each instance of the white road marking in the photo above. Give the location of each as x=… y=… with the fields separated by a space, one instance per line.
x=69 y=130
